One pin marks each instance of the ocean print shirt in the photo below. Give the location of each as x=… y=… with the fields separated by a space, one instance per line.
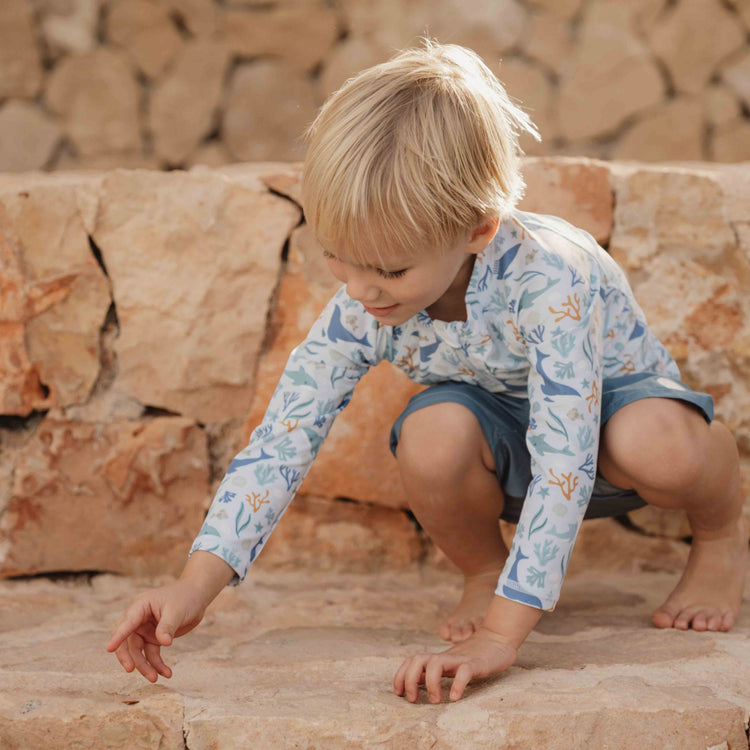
x=549 y=315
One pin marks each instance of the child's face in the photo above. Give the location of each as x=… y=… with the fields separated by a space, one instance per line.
x=395 y=292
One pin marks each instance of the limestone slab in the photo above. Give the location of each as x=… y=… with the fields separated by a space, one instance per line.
x=122 y=496
x=194 y=260
x=549 y=39
x=320 y=533
x=692 y=38
x=70 y=26
x=185 y=101
x=97 y=99
x=673 y=131
x=28 y=137
x=307 y=659
x=674 y=236
x=737 y=78
x=21 y=72
x=730 y=143
x=145 y=30
x=577 y=190
x=269 y=106
x=200 y=17
x=300 y=33
x=55 y=299
x=597 y=97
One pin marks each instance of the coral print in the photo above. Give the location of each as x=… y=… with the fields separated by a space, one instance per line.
x=550 y=316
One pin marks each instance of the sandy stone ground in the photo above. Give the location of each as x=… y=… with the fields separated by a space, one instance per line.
x=306 y=660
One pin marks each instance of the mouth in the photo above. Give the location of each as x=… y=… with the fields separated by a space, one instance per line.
x=380 y=312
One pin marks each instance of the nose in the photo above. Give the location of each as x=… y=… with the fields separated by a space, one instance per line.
x=359 y=287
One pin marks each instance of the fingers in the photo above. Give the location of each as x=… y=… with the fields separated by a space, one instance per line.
x=153 y=655
x=134 y=617
x=463 y=676
x=135 y=653
x=409 y=676
x=433 y=674
x=430 y=669
x=139 y=658
x=167 y=625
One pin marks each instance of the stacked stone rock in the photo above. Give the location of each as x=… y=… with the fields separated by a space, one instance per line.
x=174 y=83
x=144 y=315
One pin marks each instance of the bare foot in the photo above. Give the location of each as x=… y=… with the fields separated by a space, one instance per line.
x=468 y=615
x=709 y=593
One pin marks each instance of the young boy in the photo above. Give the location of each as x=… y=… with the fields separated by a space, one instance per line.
x=551 y=400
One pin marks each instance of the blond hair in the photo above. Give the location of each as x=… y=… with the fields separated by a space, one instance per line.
x=412 y=154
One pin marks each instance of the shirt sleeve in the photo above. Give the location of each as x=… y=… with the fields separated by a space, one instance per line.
x=316 y=385
x=562 y=336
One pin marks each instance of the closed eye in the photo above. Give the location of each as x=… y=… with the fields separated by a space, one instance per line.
x=392 y=274
x=380 y=271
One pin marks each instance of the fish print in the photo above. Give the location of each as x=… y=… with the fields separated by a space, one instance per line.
x=550 y=315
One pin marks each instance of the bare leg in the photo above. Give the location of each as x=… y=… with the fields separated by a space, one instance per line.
x=679 y=461
x=448 y=473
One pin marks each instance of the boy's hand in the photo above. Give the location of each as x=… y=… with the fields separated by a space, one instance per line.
x=484 y=653
x=157 y=617
x=153 y=620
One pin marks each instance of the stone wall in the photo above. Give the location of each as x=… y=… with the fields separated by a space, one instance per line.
x=174 y=83
x=145 y=318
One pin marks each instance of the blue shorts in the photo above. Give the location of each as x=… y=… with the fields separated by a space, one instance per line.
x=504 y=421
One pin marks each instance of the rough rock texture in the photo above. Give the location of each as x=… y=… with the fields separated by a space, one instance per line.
x=679 y=239
x=119 y=496
x=307 y=660
x=321 y=533
x=576 y=189
x=54 y=300
x=191 y=322
x=603 y=78
x=132 y=295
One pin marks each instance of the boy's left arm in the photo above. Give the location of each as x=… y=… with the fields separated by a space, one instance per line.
x=563 y=341
x=490 y=650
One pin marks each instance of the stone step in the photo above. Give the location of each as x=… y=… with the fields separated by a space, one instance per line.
x=306 y=660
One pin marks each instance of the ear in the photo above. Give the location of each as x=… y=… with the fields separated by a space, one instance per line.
x=483 y=234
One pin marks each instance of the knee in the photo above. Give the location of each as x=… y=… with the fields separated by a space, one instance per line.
x=658 y=447
x=439 y=444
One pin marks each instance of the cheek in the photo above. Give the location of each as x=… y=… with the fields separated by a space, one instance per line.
x=337 y=269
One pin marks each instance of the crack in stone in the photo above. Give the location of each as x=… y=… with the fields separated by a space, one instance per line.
x=97 y=253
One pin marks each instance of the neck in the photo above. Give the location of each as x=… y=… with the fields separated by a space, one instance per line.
x=452 y=305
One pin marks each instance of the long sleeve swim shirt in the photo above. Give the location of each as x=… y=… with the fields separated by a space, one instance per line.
x=549 y=315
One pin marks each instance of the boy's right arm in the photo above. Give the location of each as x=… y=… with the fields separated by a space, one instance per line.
x=158 y=616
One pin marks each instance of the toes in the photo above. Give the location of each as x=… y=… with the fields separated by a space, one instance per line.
x=700 y=621
x=663 y=617
x=686 y=617
x=714 y=622
x=727 y=621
